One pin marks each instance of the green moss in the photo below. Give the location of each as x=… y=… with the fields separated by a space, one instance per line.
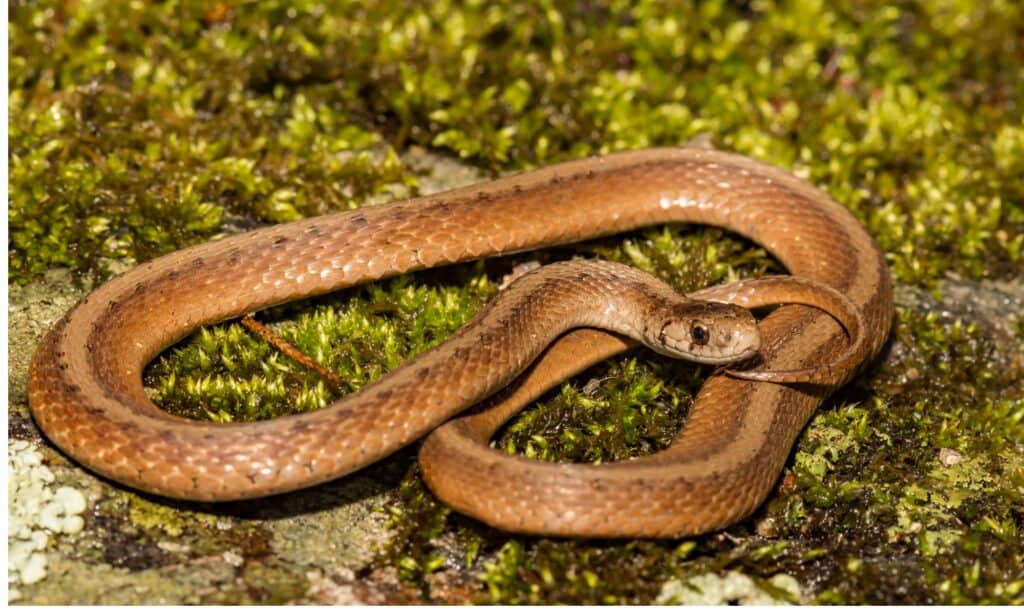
x=198 y=530
x=127 y=146
x=137 y=128
x=225 y=373
x=872 y=473
x=285 y=110
x=149 y=515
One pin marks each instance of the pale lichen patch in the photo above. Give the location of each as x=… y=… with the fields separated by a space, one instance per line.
x=731 y=588
x=35 y=513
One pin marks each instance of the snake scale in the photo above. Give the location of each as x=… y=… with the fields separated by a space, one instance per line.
x=86 y=392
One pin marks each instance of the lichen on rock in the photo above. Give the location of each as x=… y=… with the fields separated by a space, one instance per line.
x=732 y=588
x=36 y=512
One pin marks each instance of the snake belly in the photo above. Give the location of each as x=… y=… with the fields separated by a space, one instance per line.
x=85 y=382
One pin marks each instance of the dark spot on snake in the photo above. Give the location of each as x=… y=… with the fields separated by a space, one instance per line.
x=172 y=275
x=556 y=180
x=95 y=411
x=129 y=427
x=63 y=366
x=461 y=353
x=384 y=395
x=279 y=241
x=358 y=221
x=344 y=414
x=309 y=466
x=165 y=435
x=198 y=262
x=517 y=188
x=314 y=230
x=425 y=371
x=301 y=427
x=251 y=477
x=651 y=296
x=71 y=389
x=484 y=196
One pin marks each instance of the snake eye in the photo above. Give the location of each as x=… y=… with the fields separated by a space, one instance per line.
x=699 y=334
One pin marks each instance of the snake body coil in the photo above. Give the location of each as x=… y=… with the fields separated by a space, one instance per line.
x=86 y=393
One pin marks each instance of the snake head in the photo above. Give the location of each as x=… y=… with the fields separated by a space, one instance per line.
x=706 y=332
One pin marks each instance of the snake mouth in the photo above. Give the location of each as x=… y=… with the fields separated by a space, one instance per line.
x=746 y=360
x=728 y=356
x=746 y=354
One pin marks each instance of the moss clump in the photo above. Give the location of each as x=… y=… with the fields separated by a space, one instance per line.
x=137 y=128
x=129 y=145
x=877 y=473
x=227 y=374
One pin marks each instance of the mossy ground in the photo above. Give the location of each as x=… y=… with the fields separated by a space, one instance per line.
x=136 y=129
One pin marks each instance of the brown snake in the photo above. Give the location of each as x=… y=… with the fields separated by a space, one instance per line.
x=86 y=393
